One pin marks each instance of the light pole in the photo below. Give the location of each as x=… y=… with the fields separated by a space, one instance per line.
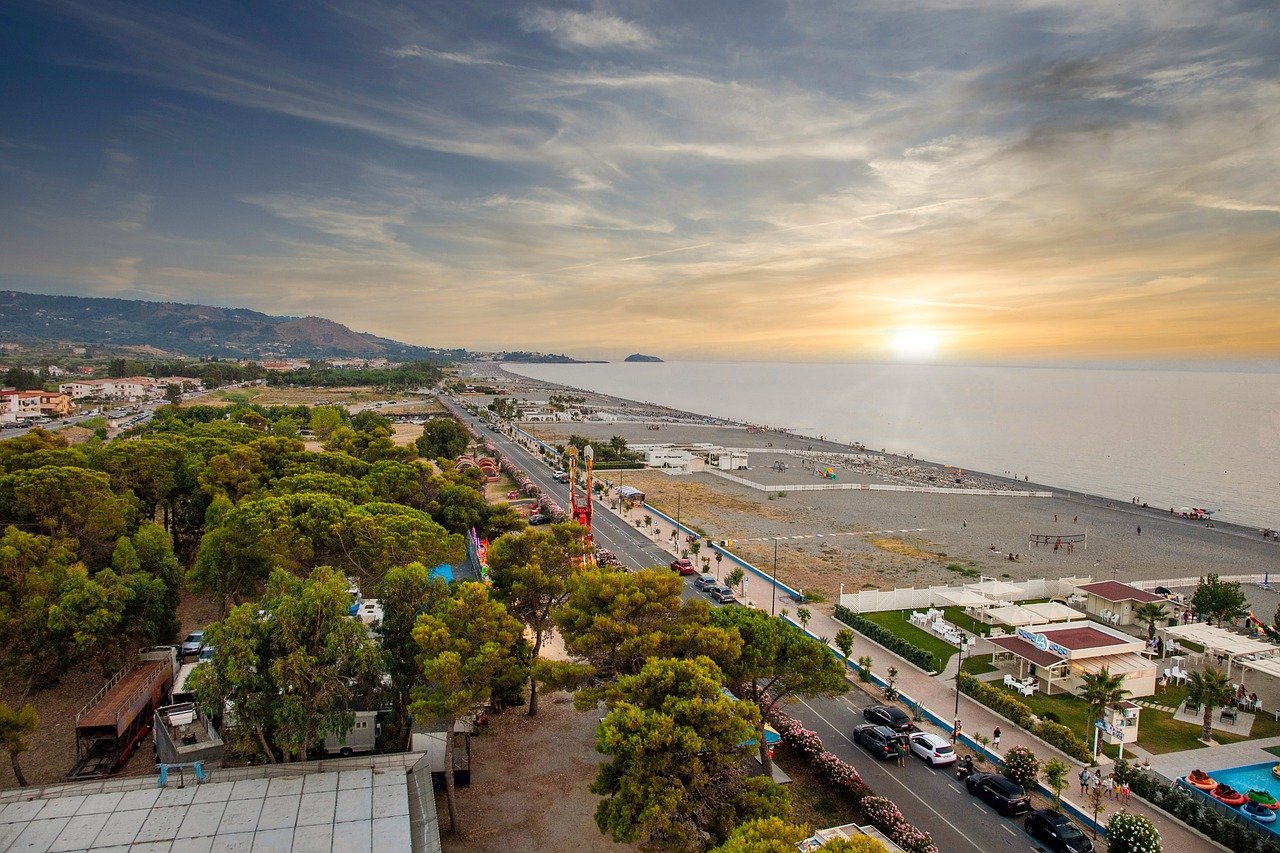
x=677 y=524
x=955 y=734
x=773 y=586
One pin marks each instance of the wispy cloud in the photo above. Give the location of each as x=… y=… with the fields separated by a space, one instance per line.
x=593 y=30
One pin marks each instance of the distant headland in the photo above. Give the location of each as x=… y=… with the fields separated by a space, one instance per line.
x=635 y=356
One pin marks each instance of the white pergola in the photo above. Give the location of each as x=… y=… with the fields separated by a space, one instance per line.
x=1012 y=614
x=1052 y=611
x=962 y=597
x=1220 y=642
x=995 y=589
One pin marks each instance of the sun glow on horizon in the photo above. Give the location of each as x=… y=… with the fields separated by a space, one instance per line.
x=915 y=343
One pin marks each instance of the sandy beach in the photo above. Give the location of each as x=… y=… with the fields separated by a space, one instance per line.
x=896 y=539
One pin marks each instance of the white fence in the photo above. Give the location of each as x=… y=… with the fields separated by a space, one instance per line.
x=913 y=598
x=874 y=487
x=1179 y=583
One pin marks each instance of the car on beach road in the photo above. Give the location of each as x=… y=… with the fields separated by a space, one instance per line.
x=684 y=566
x=888 y=716
x=561 y=476
x=1008 y=797
x=722 y=595
x=705 y=583
x=539 y=518
x=1056 y=832
x=932 y=748
x=880 y=741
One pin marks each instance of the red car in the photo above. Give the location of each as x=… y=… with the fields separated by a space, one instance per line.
x=512 y=495
x=683 y=566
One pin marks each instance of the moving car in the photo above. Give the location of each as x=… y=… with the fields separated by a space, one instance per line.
x=889 y=716
x=684 y=566
x=705 y=583
x=723 y=595
x=1056 y=832
x=561 y=476
x=880 y=741
x=1009 y=798
x=932 y=748
x=192 y=644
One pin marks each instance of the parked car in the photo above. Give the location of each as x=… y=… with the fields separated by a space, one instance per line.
x=932 y=748
x=705 y=583
x=561 y=477
x=889 y=716
x=1056 y=832
x=539 y=518
x=206 y=655
x=684 y=566
x=723 y=595
x=192 y=644
x=1008 y=798
x=880 y=741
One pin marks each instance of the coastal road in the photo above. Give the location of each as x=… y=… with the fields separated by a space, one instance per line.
x=933 y=800
x=634 y=550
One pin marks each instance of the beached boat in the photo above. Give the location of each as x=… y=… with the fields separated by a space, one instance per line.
x=1203 y=781
x=1228 y=795
x=1275 y=771
x=1264 y=799
x=1261 y=814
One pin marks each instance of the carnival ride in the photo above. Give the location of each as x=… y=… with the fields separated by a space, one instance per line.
x=580 y=509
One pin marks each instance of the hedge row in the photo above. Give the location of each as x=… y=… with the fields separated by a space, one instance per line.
x=1229 y=831
x=1002 y=703
x=888 y=639
x=881 y=812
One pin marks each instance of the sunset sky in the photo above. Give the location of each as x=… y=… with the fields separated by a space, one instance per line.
x=830 y=181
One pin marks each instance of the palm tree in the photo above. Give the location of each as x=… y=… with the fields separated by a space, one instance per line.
x=1151 y=614
x=1100 y=690
x=1211 y=689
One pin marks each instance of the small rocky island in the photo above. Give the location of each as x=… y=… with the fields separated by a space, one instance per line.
x=635 y=356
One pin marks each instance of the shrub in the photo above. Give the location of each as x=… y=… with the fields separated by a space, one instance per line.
x=1021 y=766
x=1064 y=739
x=1132 y=833
x=887 y=638
x=1050 y=716
x=995 y=699
x=864 y=668
x=882 y=813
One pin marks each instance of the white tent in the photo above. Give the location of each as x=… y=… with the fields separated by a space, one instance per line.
x=996 y=589
x=1052 y=611
x=1012 y=614
x=1218 y=641
x=962 y=597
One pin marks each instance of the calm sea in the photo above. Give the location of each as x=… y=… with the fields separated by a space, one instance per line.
x=1170 y=438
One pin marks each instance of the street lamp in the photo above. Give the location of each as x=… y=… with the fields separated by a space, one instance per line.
x=955 y=734
x=678 y=524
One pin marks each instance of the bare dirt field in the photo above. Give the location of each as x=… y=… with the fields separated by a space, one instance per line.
x=887 y=539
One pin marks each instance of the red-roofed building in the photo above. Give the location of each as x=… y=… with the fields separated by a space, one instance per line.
x=1058 y=656
x=1114 y=602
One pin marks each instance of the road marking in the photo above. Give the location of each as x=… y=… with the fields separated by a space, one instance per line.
x=900 y=783
x=1010 y=831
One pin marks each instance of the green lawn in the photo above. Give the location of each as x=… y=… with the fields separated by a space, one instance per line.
x=978 y=665
x=896 y=622
x=956 y=616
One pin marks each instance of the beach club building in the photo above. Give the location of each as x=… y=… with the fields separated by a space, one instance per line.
x=1058 y=656
x=1114 y=602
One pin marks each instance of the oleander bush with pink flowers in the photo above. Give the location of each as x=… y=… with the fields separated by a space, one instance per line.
x=879 y=811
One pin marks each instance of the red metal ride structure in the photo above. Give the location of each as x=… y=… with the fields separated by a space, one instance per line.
x=580 y=508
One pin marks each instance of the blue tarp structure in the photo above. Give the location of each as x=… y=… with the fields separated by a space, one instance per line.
x=443 y=571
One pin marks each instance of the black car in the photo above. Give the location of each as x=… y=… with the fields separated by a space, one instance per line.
x=539 y=518
x=888 y=716
x=1008 y=797
x=879 y=741
x=1056 y=832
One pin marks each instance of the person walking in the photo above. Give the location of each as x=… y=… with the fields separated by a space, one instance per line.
x=1084 y=781
x=900 y=750
x=995 y=738
x=1109 y=786
x=1096 y=781
x=1124 y=791
x=955 y=731
x=1139 y=529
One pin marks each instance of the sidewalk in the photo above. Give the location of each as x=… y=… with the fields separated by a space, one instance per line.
x=938 y=695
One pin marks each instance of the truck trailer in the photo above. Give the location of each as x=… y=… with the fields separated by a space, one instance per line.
x=114 y=721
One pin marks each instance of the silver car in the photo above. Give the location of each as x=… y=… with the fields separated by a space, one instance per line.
x=932 y=748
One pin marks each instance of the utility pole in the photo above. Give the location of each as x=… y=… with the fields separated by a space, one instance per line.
x=959 y=669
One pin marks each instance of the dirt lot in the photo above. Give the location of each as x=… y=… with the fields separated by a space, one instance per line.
x=53 y=747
